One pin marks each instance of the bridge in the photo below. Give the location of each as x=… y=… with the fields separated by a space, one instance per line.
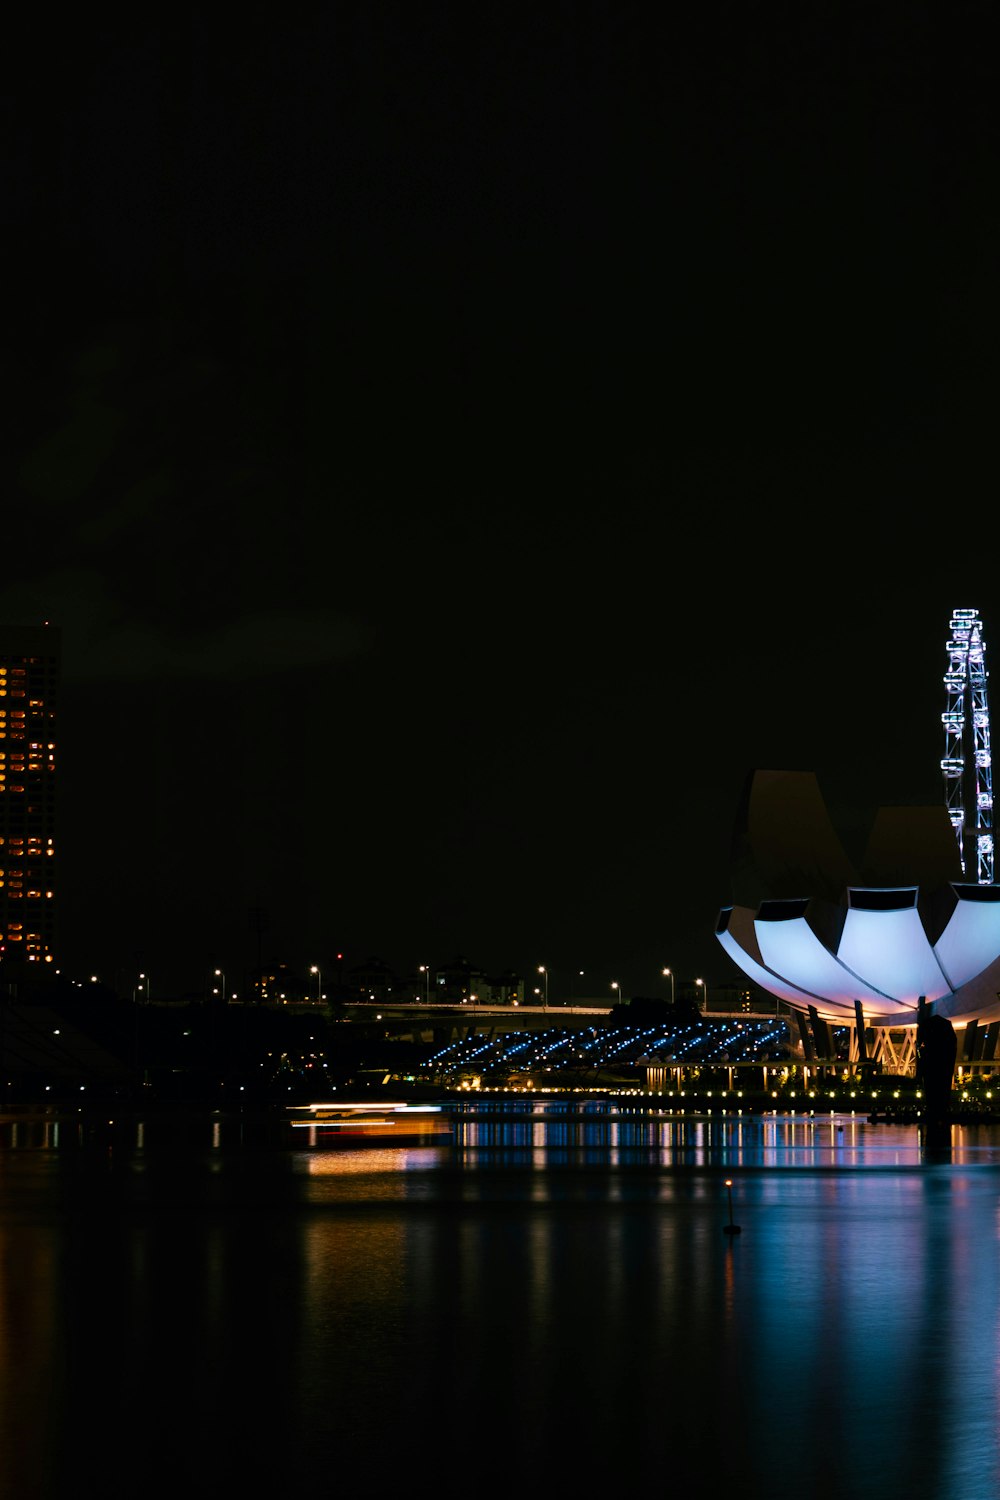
x=416 y=1022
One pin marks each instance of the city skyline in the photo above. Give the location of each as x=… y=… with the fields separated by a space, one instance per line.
x=457 y=456
x=349 y=979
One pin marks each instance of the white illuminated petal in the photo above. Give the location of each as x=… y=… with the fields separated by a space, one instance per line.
x=971 y=940
x=891 y=949
x=791 y=947
x=774 y=983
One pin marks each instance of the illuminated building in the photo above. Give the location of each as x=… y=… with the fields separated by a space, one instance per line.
x=29 y=678
x=831 y=913
x=873 y=916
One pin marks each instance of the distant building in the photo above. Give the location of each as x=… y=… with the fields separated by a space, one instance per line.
x=504 y=989
x=29 y=685
x=741 y=999
x=464 y=983
x=372 y=980
x=457 y=981
x=277 y=984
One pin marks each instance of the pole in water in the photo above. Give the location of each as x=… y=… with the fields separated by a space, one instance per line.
x=730 y=1228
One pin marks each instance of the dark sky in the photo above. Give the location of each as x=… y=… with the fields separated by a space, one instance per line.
x=460 y=442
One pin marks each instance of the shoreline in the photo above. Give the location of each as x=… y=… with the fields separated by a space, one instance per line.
x=508 y=1103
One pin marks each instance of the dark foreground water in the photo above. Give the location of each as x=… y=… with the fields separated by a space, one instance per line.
x=535 y=1307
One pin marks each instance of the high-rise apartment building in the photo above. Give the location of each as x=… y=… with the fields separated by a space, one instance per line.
x=29 y=681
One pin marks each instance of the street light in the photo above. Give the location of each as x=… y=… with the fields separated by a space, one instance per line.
x=219 y=975
x=669 y=974
x=617 y=989
x=545 y=985
x=704 y=989
x=425 y=970
x=314 y=969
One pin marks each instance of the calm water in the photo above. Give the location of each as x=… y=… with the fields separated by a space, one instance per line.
x=545 y=1304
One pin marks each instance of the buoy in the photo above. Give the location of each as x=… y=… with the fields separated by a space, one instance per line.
x=730 y=1228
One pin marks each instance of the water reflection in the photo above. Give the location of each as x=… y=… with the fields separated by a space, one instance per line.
x=549 y=1302
x=539 y=1134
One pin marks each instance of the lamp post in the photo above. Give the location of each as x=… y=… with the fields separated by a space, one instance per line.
x=617 y=989
x=425 y=970
x=222 y=985
x=669 y=974
x=704 y=995
x=314 y=969
x=143 y=980
x=545 y=985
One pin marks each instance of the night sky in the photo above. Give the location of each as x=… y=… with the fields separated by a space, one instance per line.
x=459 y=443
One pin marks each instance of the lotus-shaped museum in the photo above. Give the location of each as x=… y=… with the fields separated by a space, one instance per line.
x=834 y=904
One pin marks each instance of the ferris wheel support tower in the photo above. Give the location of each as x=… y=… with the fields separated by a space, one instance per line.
x=965 y=684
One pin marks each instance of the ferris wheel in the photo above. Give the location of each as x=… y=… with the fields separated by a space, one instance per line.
x=965 y=684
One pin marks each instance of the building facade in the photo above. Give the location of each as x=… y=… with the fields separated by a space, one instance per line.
x=29 y=686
